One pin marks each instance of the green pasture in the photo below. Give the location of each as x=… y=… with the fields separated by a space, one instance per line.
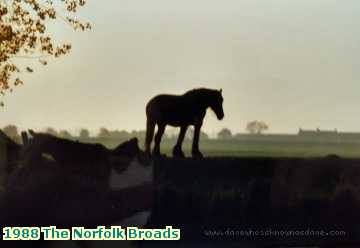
x=256 y=148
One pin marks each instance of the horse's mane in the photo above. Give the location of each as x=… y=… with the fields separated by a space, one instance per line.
x=197 y=91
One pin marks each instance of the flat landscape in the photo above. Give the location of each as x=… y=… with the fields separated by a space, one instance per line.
x=255 y=148
x=260 y=184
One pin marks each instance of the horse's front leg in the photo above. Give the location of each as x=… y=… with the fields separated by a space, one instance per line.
x=159 y=134
x=150 y=127
x=195 y=146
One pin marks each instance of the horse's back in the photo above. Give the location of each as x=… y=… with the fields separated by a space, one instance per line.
x=162 y=103
x=163 y=98
x=168 y=109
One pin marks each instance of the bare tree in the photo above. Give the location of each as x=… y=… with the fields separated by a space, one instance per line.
x=104 y=133
x=84 y=134
x=256 y=127
x=224 y=133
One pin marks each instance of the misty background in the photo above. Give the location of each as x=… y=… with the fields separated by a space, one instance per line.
x=291 y=64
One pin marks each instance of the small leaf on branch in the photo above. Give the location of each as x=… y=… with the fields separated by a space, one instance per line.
x=24 y=34
x=28 y=69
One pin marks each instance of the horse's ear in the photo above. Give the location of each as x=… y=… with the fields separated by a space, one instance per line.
x=220 y=91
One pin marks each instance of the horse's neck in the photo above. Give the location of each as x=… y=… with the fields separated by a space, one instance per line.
x=201 y=100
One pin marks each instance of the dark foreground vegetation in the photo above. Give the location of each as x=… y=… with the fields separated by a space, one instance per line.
x=209 y=199
x=234 y=194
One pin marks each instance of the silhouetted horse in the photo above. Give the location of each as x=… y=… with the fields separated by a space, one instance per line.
x=181 y=111
x=93 y=161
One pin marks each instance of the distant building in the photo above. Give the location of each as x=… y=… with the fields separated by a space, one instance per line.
x=318 y=133
x=329 y=135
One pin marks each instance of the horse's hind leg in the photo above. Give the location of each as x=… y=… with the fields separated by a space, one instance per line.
x=177 y=151
x=159 y=134
x=150 y=127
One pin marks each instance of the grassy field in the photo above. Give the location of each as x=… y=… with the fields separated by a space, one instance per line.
x=255 y=148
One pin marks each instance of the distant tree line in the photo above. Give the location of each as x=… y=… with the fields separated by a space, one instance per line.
x=253 y=127
x=256 y=127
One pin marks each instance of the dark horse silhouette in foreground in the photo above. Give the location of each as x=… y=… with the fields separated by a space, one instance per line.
x=181 y=111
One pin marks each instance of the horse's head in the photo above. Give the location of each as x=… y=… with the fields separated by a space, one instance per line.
x=216 y=104
x=125 y=153
x=129 y=148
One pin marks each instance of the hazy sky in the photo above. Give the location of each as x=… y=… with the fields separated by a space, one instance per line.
x=289 y=63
